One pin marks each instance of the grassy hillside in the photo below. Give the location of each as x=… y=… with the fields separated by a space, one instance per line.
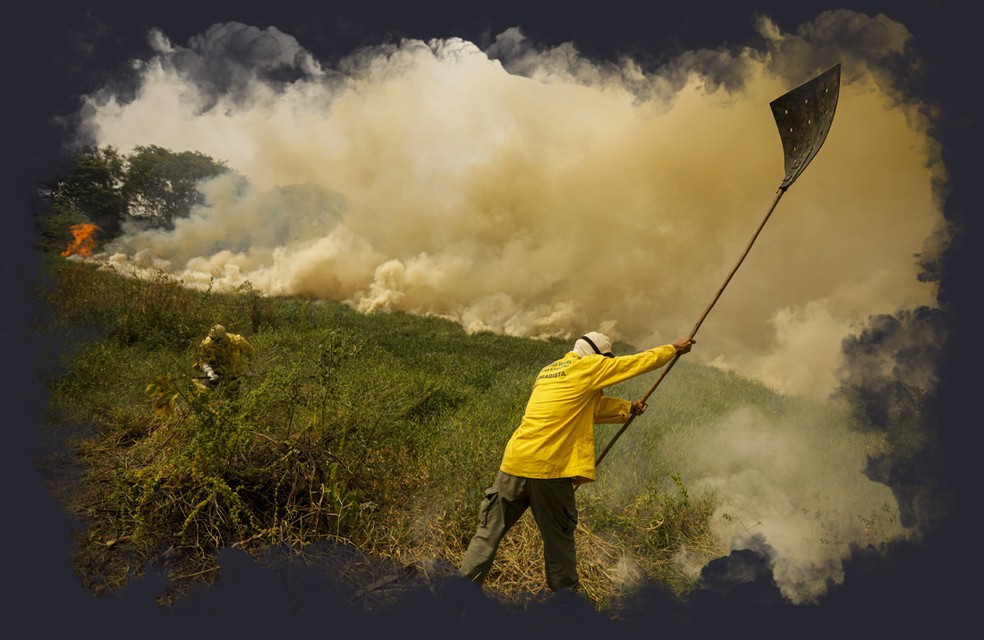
x=376 y=431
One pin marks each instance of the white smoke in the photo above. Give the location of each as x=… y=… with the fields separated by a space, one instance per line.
x=556 y=197
x=531 y=191
x=798 y=484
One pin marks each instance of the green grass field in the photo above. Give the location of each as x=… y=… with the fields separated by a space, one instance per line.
x=377 y=431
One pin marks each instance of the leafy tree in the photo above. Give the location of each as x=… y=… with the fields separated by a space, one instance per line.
x=161 y=185
x=90 y=191
x=152 y=185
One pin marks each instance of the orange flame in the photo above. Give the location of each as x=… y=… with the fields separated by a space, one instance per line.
x=83 y=241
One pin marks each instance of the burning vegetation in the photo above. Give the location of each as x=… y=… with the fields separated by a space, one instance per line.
x=83 y=239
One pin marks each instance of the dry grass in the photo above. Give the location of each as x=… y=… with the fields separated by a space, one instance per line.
x=345 y=434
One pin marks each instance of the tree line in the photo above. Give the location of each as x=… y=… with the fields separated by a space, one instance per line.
x=151 y=187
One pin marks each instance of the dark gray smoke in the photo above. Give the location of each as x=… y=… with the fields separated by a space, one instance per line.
x=890 y=377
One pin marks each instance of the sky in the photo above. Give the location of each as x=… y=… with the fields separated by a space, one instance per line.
x=542 y=173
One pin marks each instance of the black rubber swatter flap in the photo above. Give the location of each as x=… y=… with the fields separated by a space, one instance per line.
x=804 y=116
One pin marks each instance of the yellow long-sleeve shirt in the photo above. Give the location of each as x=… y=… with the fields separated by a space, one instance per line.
x=555 y=438
x=229 y=358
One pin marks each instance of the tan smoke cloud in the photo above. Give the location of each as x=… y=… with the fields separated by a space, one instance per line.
x=543 y=194
x=569 y=198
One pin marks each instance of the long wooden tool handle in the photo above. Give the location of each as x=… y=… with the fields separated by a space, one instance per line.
x=700 y=321
x=748 y=248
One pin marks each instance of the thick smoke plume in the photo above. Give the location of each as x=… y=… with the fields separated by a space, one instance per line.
x=527 y=190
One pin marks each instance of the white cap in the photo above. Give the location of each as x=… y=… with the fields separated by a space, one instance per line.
x=594 y=343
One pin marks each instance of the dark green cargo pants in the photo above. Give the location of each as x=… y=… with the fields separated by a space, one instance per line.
x=555 y=512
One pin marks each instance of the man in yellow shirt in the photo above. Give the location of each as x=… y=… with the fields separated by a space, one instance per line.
x=224 y=358
x=552 y=451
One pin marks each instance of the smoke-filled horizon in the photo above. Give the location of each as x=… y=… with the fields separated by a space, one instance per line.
x=527 y=190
